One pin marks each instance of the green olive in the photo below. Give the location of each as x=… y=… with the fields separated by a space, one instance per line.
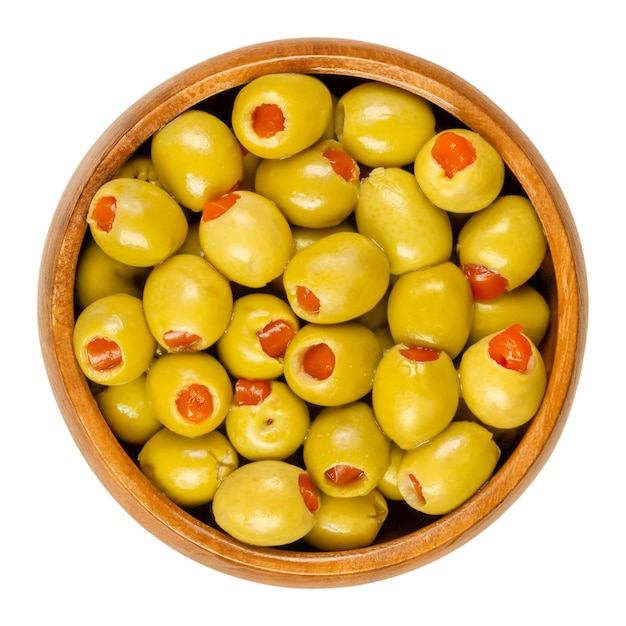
x=98 y=275
x=246 y=237
x=315 y=188
x=261 y=327
x=112 y=341
x=443 y=473
x=346 y=452
x=191 y=392
x=332 y=364
x=304 y=236
x=496 y=390
x=267 y=420
x=139 y=166
x=524 y=305
x=393 y=211
x=348 y=523
x=197 y=158
x=278 y=115
x=136 y=222
x=507 y=238
x=187 y=303
x=432 y=307
x=383 y=125
x=128 y=411
x=415 y=394
x=187 y=470
x=266 y=503
x=459 y=171
x=337 y=278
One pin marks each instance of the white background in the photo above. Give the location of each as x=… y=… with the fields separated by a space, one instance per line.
x=70 y=554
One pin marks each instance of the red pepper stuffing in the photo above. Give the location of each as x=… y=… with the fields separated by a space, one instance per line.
x=342 y=475
x=103 y=354
x=418 y=489
x=180 y=339
x=420 y=354
x=309 y=493
x=485 y=283
x=215 y=208
x=195 y=403
x=453 y=152
x=343 y=164
x=251 y=392
x=267 y=120
x=104 y=212
x=275 y=337
x=319 y=361
x=511 y=349
x=307 y=300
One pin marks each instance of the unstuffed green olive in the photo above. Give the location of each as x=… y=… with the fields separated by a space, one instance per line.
x=383 y=125
x=393 y=211
x=266 y=420
x=332 y=364
x=415 y=394
x=136 y=222
x=112 y=341
x=459 y=171
x=348 y=523
x=432 y=307
x=506 y=240
x=524 y=305
x=191 y=392
x=503 y=378
x=197 y=158
x=315 y=188
x=278 y=115
x=187 y=303
x=443 y=473
x=266 y=503
x=128 y=411
x=337 y=278
x=187 y=470
x=261 y=327
x=246 y=237
x=345 y=451
x=98 y=275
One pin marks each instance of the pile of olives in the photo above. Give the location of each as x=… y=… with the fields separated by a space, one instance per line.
x=302 y=307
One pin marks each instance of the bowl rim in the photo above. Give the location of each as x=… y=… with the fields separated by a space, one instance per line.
x=107 y=458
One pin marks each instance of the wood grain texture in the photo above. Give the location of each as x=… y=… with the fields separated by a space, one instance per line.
x=402 y=549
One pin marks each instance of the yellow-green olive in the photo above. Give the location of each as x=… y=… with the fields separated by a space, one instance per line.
x=266 y=503
x=432 y=307
x=314 y=188
x=187 y=470
x=443 y=473
x=383 y=125
x=337 y=278
x=246 y=237
x=332 y=364
x=345 y=451
x=503 y=378
x=197 y=158
x=388 y=484
x=278 y=115
x=415 y=394
x=139 y=166
x=393 y=211
x=348 y=523
x=191 y=392
x=136 y=222
x=459 y=171
x=112 y=341
x=187 y=303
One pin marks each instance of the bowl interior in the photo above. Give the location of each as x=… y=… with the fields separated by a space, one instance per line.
x=408 y=539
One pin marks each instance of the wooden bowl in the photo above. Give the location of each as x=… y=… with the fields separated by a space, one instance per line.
x=408 y=541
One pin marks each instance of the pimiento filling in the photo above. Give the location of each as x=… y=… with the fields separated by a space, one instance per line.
x=319 y=361
x=267 y=120
x=342 y=475
x=485 y=283
x=307 y=300
x=453 y=153
x=180 y=340
x=251 y=392
x=275 y=337
x=215 y=208
x=104 y=213
x=511 y=349
x=420 y=354
x=195 y=403
x=343 y=164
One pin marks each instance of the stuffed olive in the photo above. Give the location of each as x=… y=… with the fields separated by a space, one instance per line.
x=187 y=303
x=278 y=115
x=415 y=394
x=337 y=278
x=191 y=392
x=261 y=327
x=112 y=341
x=246 y=237
x=459 y=171
x=332 y=364
x=197 y=158
x=136 y=222
x=503 y=378
x=345 y=451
